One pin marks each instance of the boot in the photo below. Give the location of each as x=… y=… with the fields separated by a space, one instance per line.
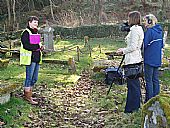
x=28 y=96
x=34 y=98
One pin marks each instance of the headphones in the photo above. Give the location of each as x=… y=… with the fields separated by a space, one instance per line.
x=149 y=19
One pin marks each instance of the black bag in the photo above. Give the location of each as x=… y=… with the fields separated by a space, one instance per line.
x=133 y=71
x=113 y=75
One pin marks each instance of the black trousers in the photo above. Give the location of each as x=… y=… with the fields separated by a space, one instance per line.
x=133 y=95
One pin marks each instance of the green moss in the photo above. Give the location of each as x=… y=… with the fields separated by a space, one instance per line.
x=164 y=100
x=159 y=120
x=145 y=106
x=8 y=88
x=15 y=113
x=165 y=105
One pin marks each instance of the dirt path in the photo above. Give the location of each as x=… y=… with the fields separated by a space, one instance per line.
x=64 y=106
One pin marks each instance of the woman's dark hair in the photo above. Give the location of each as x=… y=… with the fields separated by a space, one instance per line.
x=31 y=18
x=134 y=18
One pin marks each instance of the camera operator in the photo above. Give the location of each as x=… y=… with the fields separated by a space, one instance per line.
x=133 y=55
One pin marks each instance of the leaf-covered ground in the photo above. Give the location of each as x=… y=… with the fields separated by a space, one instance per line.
x=82 y=105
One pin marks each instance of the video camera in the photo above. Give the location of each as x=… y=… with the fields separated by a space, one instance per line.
x=125 y=27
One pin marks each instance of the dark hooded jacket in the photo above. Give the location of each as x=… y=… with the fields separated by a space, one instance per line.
x=153 y=44
x=31 y=47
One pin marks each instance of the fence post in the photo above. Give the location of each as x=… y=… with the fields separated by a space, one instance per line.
x=72 y=65
x=64 y=48
x=4 y=27
x=90 y=50
x=17 y=27
x=100 y=48
x=78 y=54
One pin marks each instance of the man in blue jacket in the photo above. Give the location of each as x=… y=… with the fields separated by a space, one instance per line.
x=153 y=44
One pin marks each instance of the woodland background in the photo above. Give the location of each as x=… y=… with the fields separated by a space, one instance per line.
x=74 y=13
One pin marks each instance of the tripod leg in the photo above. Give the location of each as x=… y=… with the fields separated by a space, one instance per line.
x=109 y=88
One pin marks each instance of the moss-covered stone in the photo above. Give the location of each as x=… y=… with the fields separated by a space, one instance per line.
x=164 y=101
x=5 y=98
x=8 y=88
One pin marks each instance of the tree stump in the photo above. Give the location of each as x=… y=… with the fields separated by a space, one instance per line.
x=72 y=66
x=156 y=112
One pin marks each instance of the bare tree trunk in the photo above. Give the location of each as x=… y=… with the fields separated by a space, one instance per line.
x=33 y=5
x=100 y=10
x=79 y=12
x=42 y=4
x=93 y=11
x=14 y=14
x=9 y=12
x=132 y=2
x=29 y=5
x=144 y=4
x=4 y=27
x=51 y=7
x=17 y=27
x=165 y=3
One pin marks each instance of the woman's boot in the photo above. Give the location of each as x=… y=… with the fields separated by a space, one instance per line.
x=28 y=95
x=34 y=98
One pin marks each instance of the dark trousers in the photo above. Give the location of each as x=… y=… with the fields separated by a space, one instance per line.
x=152 y=81
x=133 y=95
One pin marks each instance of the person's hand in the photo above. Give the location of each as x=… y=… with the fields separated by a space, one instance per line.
x=42 y=47
x=119 y=51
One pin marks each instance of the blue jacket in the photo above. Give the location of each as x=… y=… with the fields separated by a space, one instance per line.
x=153 y=44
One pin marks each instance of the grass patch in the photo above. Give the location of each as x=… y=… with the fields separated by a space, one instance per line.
x=12 y=73
x=15 y=112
